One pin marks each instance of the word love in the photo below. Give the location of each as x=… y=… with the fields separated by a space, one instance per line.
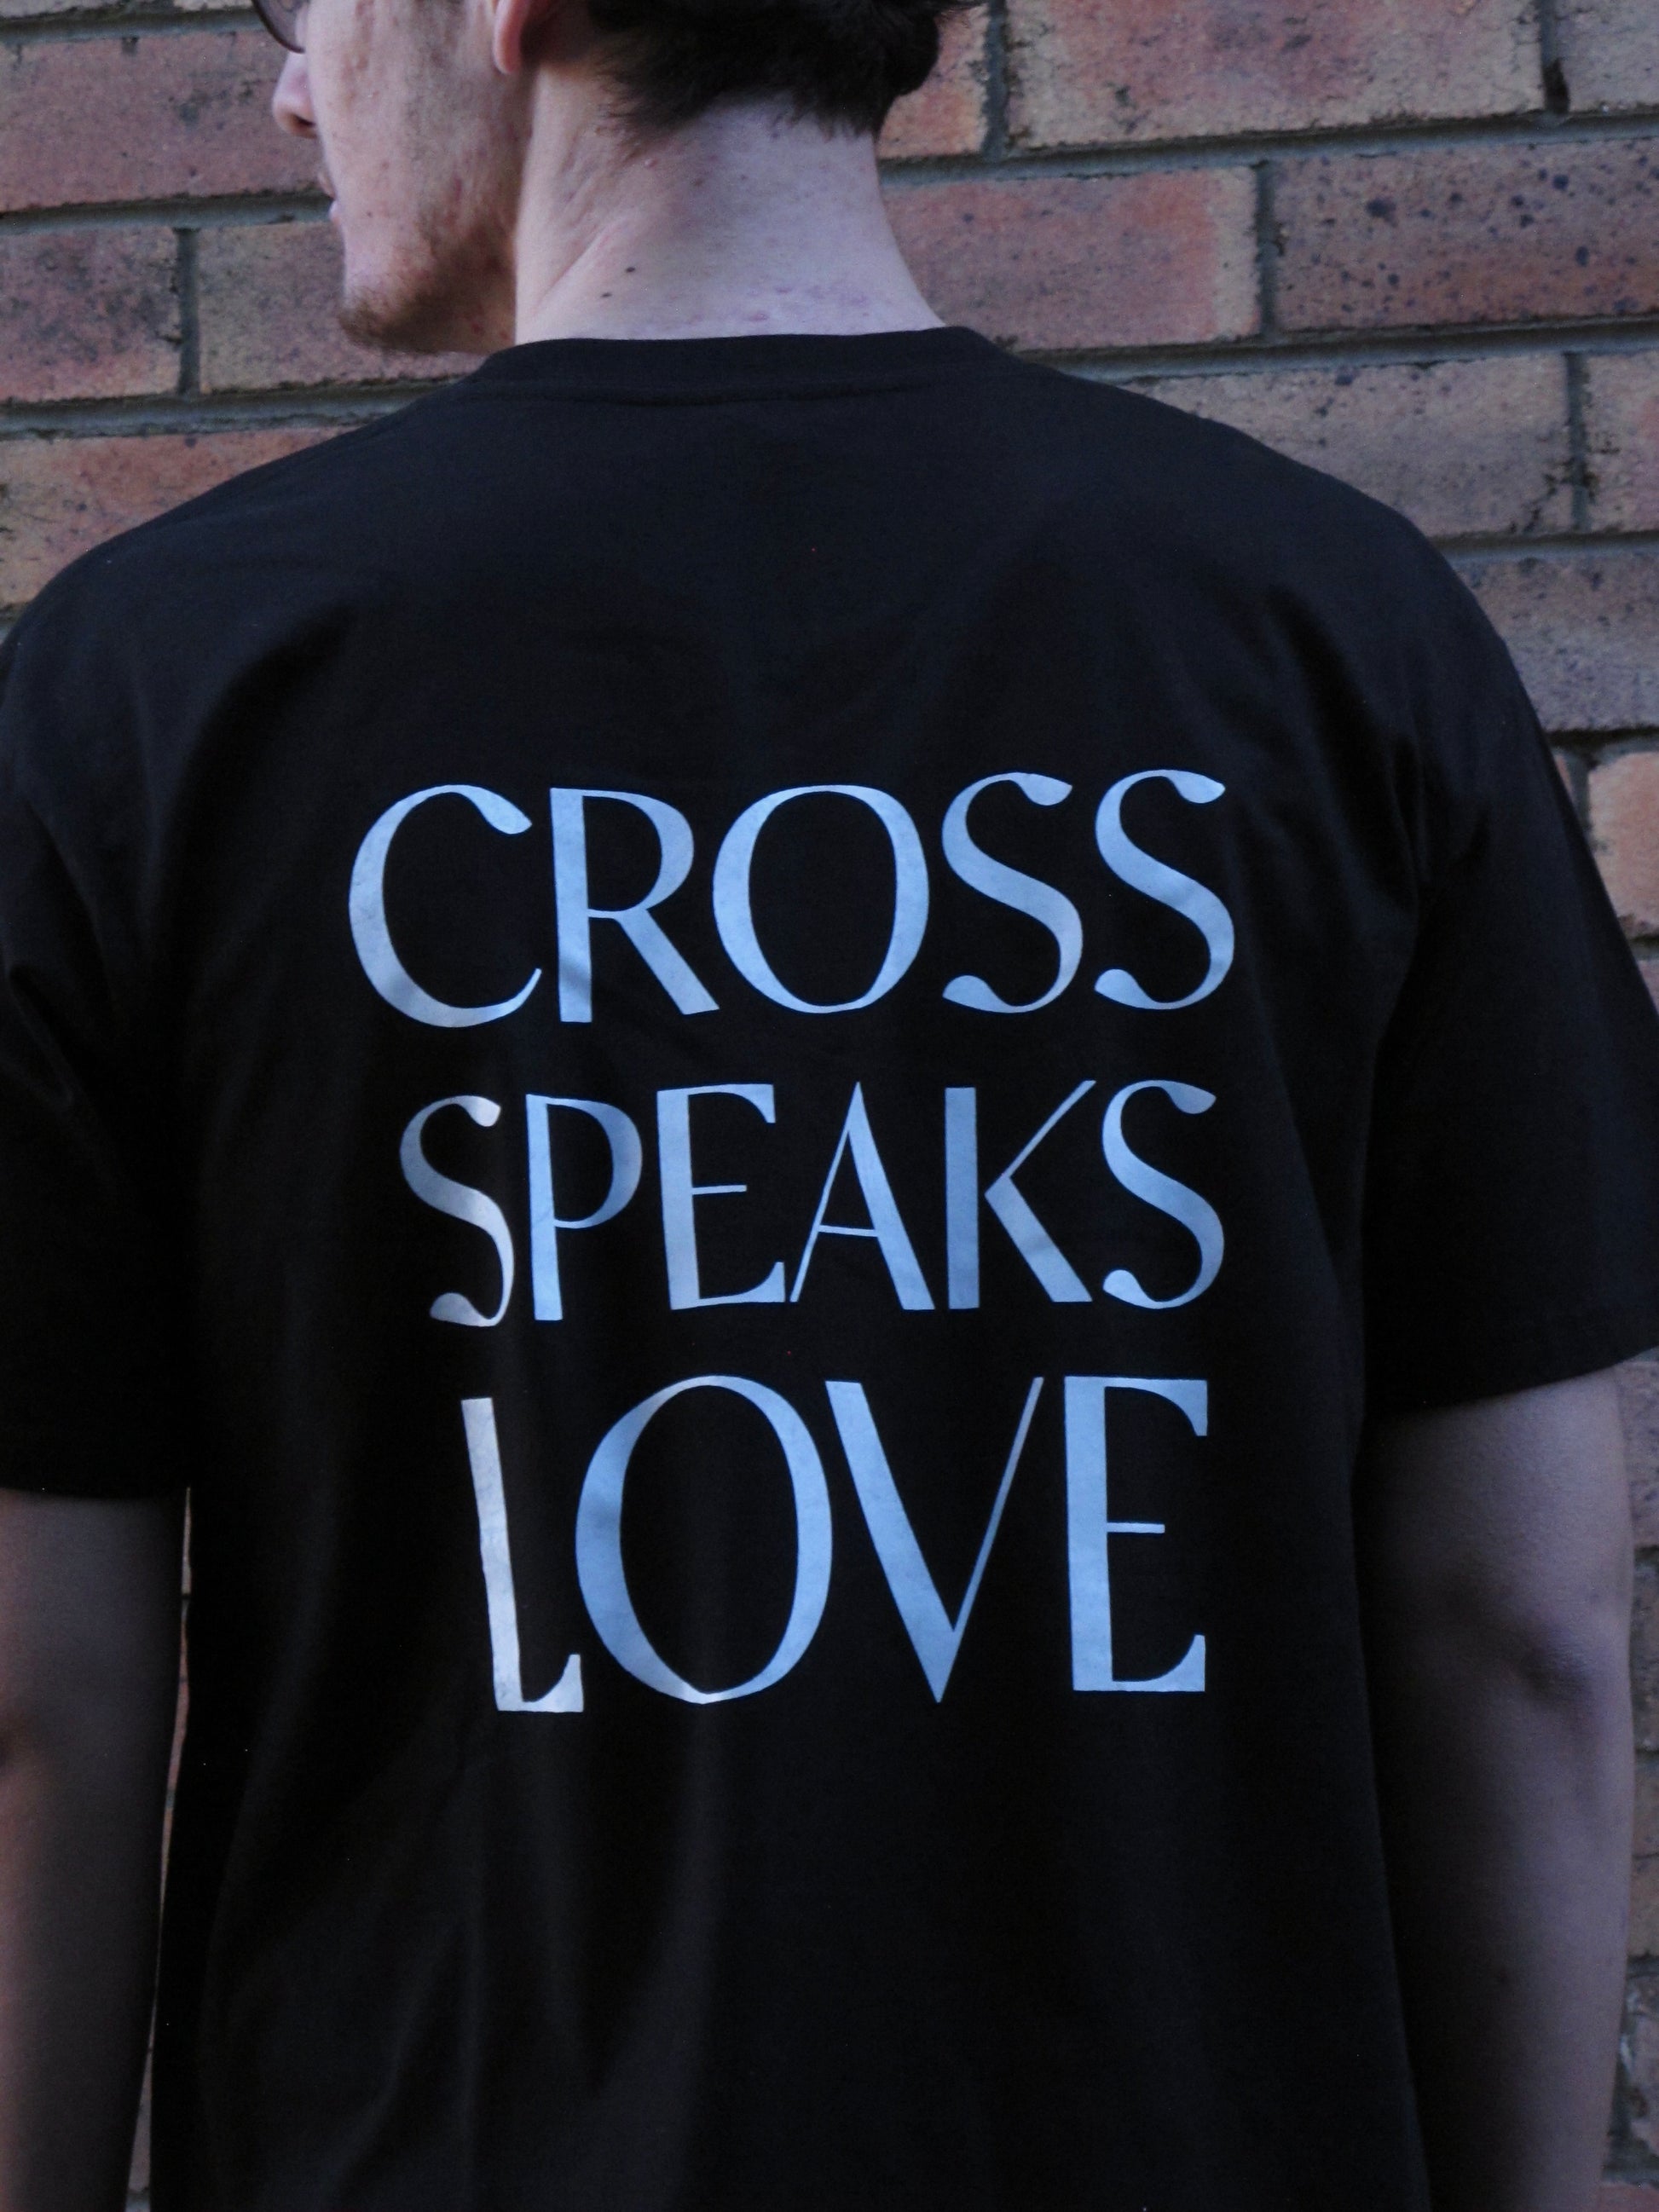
x=574 y=815
x=684 y=1199
x=935 y=1633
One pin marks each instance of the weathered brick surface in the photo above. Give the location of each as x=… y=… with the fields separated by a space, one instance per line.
x=1460 y=446
x=88 y=314
x=947 y=116
x=269 y=296
x=60 y=497
x=1065 y=263
x=1082 y=72
x=1584 y=631
x=1475 y=235
x=1621 y=419
x=160 y=116
x=1638 y=1403
x=1610 y=52
x=1624 y=799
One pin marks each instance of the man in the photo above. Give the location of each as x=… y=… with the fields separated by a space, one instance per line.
x=867 y=1127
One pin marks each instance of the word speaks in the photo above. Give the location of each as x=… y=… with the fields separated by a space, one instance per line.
x=734 y=906
x=935 y=1635
x=965 y=1189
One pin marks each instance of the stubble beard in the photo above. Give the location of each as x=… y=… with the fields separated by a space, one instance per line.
x=442 y=298
x=445 y=283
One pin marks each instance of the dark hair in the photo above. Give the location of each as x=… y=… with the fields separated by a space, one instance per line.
x=844 y=61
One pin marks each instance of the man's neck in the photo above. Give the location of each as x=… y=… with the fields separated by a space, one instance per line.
x=745 y=221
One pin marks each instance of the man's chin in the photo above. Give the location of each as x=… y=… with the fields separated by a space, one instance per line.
x=405 y=321
x=430 y=302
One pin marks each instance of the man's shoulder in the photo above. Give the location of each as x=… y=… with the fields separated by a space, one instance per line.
x=299 y=505
x=1205 y=527
x=1207 y=490
x=122 y=652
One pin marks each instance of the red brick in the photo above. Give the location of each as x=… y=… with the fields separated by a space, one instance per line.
x=1067 y=264
x=1492 y=233
x=1584 y=631
x=1084 y=73
x=1627 y=2197
x=269 y=296
x=88 y=314
x=1621 y=417
x=1609 y=52
x=1624 y=802
x=1459 y=446
x=163 y=116
x=58 y=497
x=1638 y=1403
x=947 y=116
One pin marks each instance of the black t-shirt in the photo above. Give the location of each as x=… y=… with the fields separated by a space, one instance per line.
x=754 y=1051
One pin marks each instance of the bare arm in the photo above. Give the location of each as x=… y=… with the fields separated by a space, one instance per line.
x=88 y=1672
x=1496 y=1554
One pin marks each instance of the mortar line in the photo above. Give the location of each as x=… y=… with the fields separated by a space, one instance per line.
x=328 y=407
x=124 y=23
x=996 y=82
x=1533 y=128
x=1266 y=249
x=238 y=213
x=1606 y=545
x=1629 y=738
x=1583 y=481
x=190 y=318
x=1577 y=769
x=1419 y=346
x=1558 y=94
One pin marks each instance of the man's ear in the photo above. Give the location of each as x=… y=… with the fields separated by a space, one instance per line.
x=513 y=26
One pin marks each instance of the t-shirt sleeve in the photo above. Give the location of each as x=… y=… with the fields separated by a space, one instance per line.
x=91 y=1313
x=1512 y=1212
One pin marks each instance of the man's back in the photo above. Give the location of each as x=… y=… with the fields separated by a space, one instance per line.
x=808 y=1020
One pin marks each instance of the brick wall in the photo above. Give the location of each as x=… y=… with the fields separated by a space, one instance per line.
x=1414 y=241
